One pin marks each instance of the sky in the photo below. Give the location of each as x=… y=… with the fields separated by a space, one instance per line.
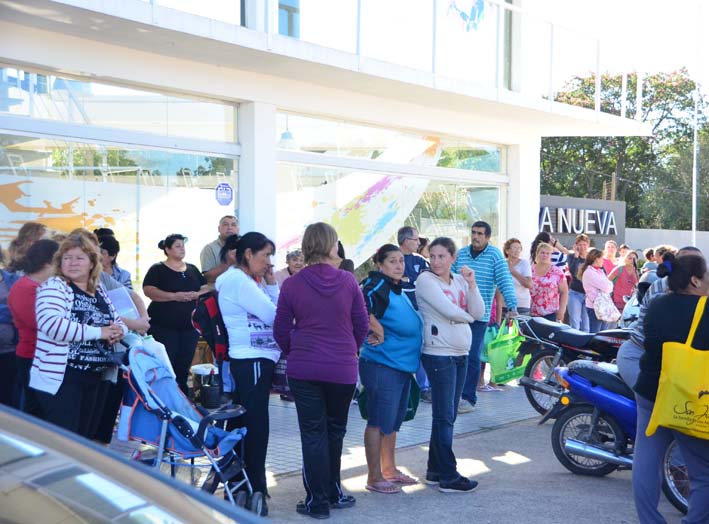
x=643 y=35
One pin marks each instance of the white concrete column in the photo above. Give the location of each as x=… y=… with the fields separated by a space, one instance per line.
x=523 y=164
x=257 y=168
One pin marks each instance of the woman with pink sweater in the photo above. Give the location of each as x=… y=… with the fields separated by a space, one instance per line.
x=595 y=281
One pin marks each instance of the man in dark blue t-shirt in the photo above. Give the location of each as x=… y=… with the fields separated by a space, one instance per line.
x=414 y=264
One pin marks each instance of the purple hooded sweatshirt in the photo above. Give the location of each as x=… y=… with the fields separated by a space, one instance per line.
x=321 y=321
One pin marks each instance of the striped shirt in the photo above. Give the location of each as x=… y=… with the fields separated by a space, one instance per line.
x=491 y=271
x=637 y=328
x=56 y=331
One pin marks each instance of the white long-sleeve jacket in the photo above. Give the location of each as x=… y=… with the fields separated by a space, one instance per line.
x=447 y=309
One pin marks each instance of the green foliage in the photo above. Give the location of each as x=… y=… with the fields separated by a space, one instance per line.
x=653 y=173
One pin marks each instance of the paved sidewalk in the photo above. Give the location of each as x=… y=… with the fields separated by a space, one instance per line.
x=494 y=409
x=499 y=444
x=521 y=482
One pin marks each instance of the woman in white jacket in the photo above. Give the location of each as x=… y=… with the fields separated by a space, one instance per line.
x=248 y=309
x=449 y=303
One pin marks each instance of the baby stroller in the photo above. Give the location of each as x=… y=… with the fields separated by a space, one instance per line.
x=156 y=412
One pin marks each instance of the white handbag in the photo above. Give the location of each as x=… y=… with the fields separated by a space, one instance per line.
x=605 y=309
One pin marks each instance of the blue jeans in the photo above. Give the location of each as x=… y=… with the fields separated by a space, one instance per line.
x=594 y=324
x=387 y=392
x=473 y=374
x=647 y=469
x=447 y=375
x=576 y=307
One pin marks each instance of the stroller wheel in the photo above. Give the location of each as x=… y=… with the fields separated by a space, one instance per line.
x=240 y=499
x=257 y=502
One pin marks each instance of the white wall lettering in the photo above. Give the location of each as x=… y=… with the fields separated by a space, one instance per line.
x=576 y=221
x=545 y=220
x=590 y=227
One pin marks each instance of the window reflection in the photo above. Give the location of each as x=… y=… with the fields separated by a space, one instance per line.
x=344 y=139
x=51 y=97
x=368 y=208
x=134 y=191
x=12 y=450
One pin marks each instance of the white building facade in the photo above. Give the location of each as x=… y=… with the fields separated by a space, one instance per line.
x=155 y=117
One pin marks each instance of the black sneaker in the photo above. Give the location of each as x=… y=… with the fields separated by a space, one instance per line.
x=432 y=478
x=303 y=510
x=264 y=509
x=460 y=485
x=345 y=501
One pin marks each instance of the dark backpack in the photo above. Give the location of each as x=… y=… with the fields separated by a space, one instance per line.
x=208 y=321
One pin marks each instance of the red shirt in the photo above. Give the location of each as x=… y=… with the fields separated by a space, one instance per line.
x=21 y=303
x=624 y=282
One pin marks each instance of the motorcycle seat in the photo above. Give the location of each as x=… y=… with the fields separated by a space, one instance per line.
x=573 y=337
x=602 y=375
x=543 y=328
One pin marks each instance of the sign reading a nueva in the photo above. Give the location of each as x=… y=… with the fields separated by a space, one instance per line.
x=566 y=217
x=576 y=221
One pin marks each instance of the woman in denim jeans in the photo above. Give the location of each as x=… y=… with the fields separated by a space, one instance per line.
x=387 y=361
x=448 y=303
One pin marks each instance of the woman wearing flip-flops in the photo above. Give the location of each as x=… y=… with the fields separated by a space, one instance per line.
x=388 y=359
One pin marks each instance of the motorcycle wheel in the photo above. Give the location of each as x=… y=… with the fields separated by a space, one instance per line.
x=537 y=369
x=675 y=481
x=575 y=422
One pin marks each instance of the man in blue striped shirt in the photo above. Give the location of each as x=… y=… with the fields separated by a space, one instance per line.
x=491 y=272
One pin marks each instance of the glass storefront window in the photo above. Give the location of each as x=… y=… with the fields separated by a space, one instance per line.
x=322 y=22
x=51 y=97
x=398 y=31
x=343 y=139
x=466 y=41
x=142 y=194
x=228 y=11
x=367 y=209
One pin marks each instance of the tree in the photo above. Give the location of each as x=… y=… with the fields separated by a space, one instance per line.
x=651 y=177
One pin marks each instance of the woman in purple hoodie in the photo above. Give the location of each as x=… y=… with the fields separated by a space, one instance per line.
x=320 y=323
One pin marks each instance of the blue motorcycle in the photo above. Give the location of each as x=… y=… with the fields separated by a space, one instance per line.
x=595 y=427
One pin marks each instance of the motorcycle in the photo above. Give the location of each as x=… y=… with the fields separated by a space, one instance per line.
x=595 y=428
x=553 y=344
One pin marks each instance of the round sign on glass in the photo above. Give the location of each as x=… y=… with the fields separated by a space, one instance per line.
x=224 y=193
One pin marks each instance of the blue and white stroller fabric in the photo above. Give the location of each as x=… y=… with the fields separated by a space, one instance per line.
x=152 y=395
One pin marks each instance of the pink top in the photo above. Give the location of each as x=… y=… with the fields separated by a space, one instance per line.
x=624 y=283
x=545 y=293
x=595 y=281
x=608 y=265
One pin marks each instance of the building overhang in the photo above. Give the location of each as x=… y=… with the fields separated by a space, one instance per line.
x=292 y=74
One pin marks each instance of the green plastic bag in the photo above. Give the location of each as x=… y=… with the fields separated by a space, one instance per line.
x=490 y=335
x=414 y=399
x=504 y=352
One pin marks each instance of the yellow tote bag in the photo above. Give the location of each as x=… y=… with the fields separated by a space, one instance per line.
x=682 y=401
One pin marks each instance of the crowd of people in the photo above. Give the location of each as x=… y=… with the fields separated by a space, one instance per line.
x=421 y=315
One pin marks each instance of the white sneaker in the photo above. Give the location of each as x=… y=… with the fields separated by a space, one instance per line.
x=465 y=406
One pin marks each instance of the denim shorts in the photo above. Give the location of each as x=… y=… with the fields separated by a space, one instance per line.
x=387 y=395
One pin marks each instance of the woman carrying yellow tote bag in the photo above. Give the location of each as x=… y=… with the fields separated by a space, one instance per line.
x=674 y=370
x=682 y=401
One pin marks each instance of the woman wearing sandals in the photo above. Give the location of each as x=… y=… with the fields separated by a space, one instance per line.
x=388 y=358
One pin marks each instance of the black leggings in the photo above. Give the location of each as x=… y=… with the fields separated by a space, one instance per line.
x=180 y=345
x=253 y=377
